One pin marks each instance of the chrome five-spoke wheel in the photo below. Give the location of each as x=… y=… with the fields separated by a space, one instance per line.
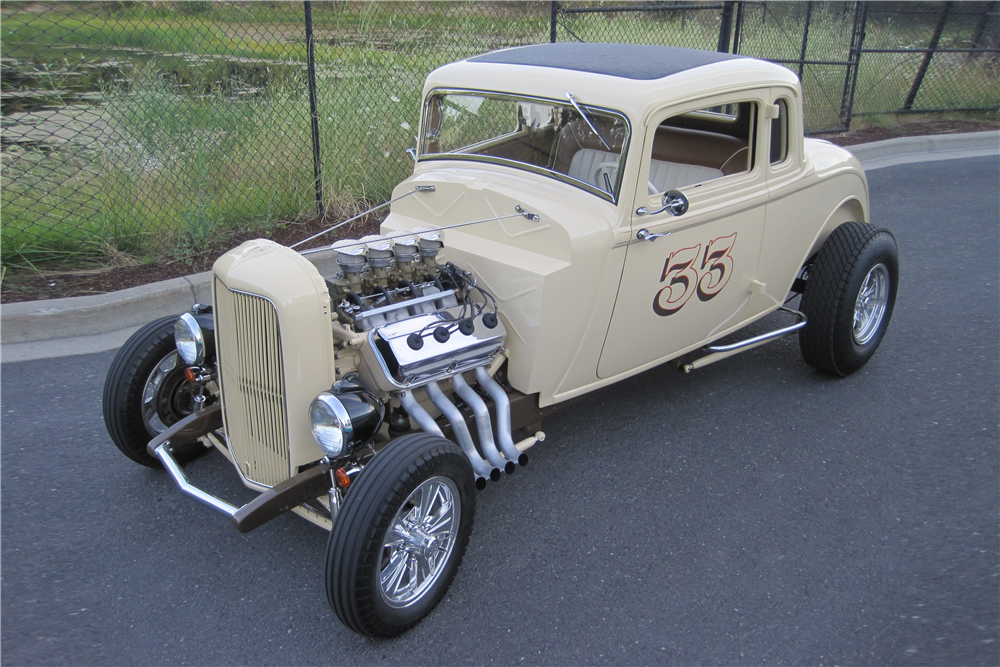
x=849 y=298
x=145 y=392
x=419 y=541
x=869 y=308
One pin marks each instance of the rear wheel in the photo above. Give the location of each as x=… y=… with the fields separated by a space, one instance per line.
x=849 y=298
x=400 y=536
x=145 y=392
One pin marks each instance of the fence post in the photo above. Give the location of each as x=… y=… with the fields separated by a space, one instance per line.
x=977 y=39
x=854 y=59
x=313 y=113
x=805 y=38
x=726 y=28
x=552 y=22
x=857 y=63
x=925 y=63
x=738 y=27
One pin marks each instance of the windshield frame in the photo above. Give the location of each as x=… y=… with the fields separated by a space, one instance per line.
x=614 y=197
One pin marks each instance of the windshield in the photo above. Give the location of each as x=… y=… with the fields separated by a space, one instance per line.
x=545 y=136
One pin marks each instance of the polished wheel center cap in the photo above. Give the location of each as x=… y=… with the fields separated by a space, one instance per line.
x=417 y=541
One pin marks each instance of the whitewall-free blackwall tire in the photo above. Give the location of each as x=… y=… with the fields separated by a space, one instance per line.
x=401 y=535
x=849 y=298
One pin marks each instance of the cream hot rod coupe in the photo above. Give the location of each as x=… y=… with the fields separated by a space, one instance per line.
x=577 y=214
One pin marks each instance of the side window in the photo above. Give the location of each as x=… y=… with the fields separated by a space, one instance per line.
x=779 y=133
x=703 y=145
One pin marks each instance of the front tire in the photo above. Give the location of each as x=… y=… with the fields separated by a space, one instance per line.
x=401 y=535
x=145 y=391
x=849 y=298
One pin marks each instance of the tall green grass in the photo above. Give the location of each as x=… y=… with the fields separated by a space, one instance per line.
x=165 y=35
x=170 y=174
x=182 y=171
x=49 y=207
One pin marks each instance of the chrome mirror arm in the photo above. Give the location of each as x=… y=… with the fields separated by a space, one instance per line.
x=674 y=203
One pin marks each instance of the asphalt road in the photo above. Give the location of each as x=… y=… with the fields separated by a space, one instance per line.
x=753 y=512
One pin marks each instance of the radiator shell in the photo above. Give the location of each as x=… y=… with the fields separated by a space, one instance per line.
x=275 y=351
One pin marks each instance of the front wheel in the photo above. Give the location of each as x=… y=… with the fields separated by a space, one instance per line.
x=849 y=297
x=400 y=536
x=145 y=392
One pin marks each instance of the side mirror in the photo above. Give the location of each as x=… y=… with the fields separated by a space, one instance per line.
x=674 y=203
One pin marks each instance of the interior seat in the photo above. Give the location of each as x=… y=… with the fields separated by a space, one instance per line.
x=665 y=176
x=589 y=165
x=684 y=157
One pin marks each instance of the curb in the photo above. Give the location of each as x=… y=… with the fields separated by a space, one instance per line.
x=906 y=150
x=86 y=324
x=51 y=319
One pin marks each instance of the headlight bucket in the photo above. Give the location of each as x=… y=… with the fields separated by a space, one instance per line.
x=345 y=419
x=331 y=424
x=190 y=340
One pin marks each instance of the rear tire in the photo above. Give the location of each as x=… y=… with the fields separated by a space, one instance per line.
x=401 y=535
x=145 y=392
x=849 y=298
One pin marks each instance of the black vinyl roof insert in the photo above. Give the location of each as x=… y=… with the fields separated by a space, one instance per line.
x=627 y=61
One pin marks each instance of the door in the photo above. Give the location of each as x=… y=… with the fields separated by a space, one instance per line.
x=680 y=290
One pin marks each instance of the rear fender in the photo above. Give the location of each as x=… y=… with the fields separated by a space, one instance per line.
x=850 y=210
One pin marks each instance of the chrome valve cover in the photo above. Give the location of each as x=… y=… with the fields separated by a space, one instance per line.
x=406 y=367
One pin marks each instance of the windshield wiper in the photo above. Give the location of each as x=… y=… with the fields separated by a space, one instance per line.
x=586 y=118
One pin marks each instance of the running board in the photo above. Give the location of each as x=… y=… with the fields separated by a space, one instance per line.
x=720 y=352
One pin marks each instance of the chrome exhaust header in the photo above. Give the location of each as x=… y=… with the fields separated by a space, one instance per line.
x=458 y=425
x=492 y=460
x=499 y=397
x=428 y=425
x=483 y=424
x=422 y=417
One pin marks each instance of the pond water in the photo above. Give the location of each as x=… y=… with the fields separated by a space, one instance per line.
x=43 y=85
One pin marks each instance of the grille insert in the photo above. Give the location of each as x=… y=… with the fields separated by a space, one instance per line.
x=253 y=384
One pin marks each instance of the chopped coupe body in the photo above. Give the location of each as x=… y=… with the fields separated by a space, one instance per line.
x=577 y=214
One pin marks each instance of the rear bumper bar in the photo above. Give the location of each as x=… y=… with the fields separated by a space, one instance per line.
x=272 y=503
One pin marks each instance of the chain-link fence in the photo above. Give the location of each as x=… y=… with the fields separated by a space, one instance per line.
x=138 y=128
x=853 y=58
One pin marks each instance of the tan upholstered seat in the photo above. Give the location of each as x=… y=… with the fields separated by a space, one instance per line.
x=665 y=176
x=589 y=165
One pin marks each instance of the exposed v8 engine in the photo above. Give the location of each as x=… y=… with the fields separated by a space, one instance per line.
x=425 y=321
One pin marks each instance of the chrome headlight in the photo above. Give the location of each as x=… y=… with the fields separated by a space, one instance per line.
x=189 y=340
x=331 y=424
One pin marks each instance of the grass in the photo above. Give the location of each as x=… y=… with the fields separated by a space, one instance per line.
x=148 y=28
x=205 y=129
x=182 y=173
x=170 y=175
x=258 y=29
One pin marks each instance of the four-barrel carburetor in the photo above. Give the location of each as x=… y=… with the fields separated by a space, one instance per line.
x=424 y=322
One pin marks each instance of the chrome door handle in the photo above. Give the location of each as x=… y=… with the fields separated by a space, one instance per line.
x=644 y=235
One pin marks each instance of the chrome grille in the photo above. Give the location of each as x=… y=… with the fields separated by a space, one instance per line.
x=253 y=385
